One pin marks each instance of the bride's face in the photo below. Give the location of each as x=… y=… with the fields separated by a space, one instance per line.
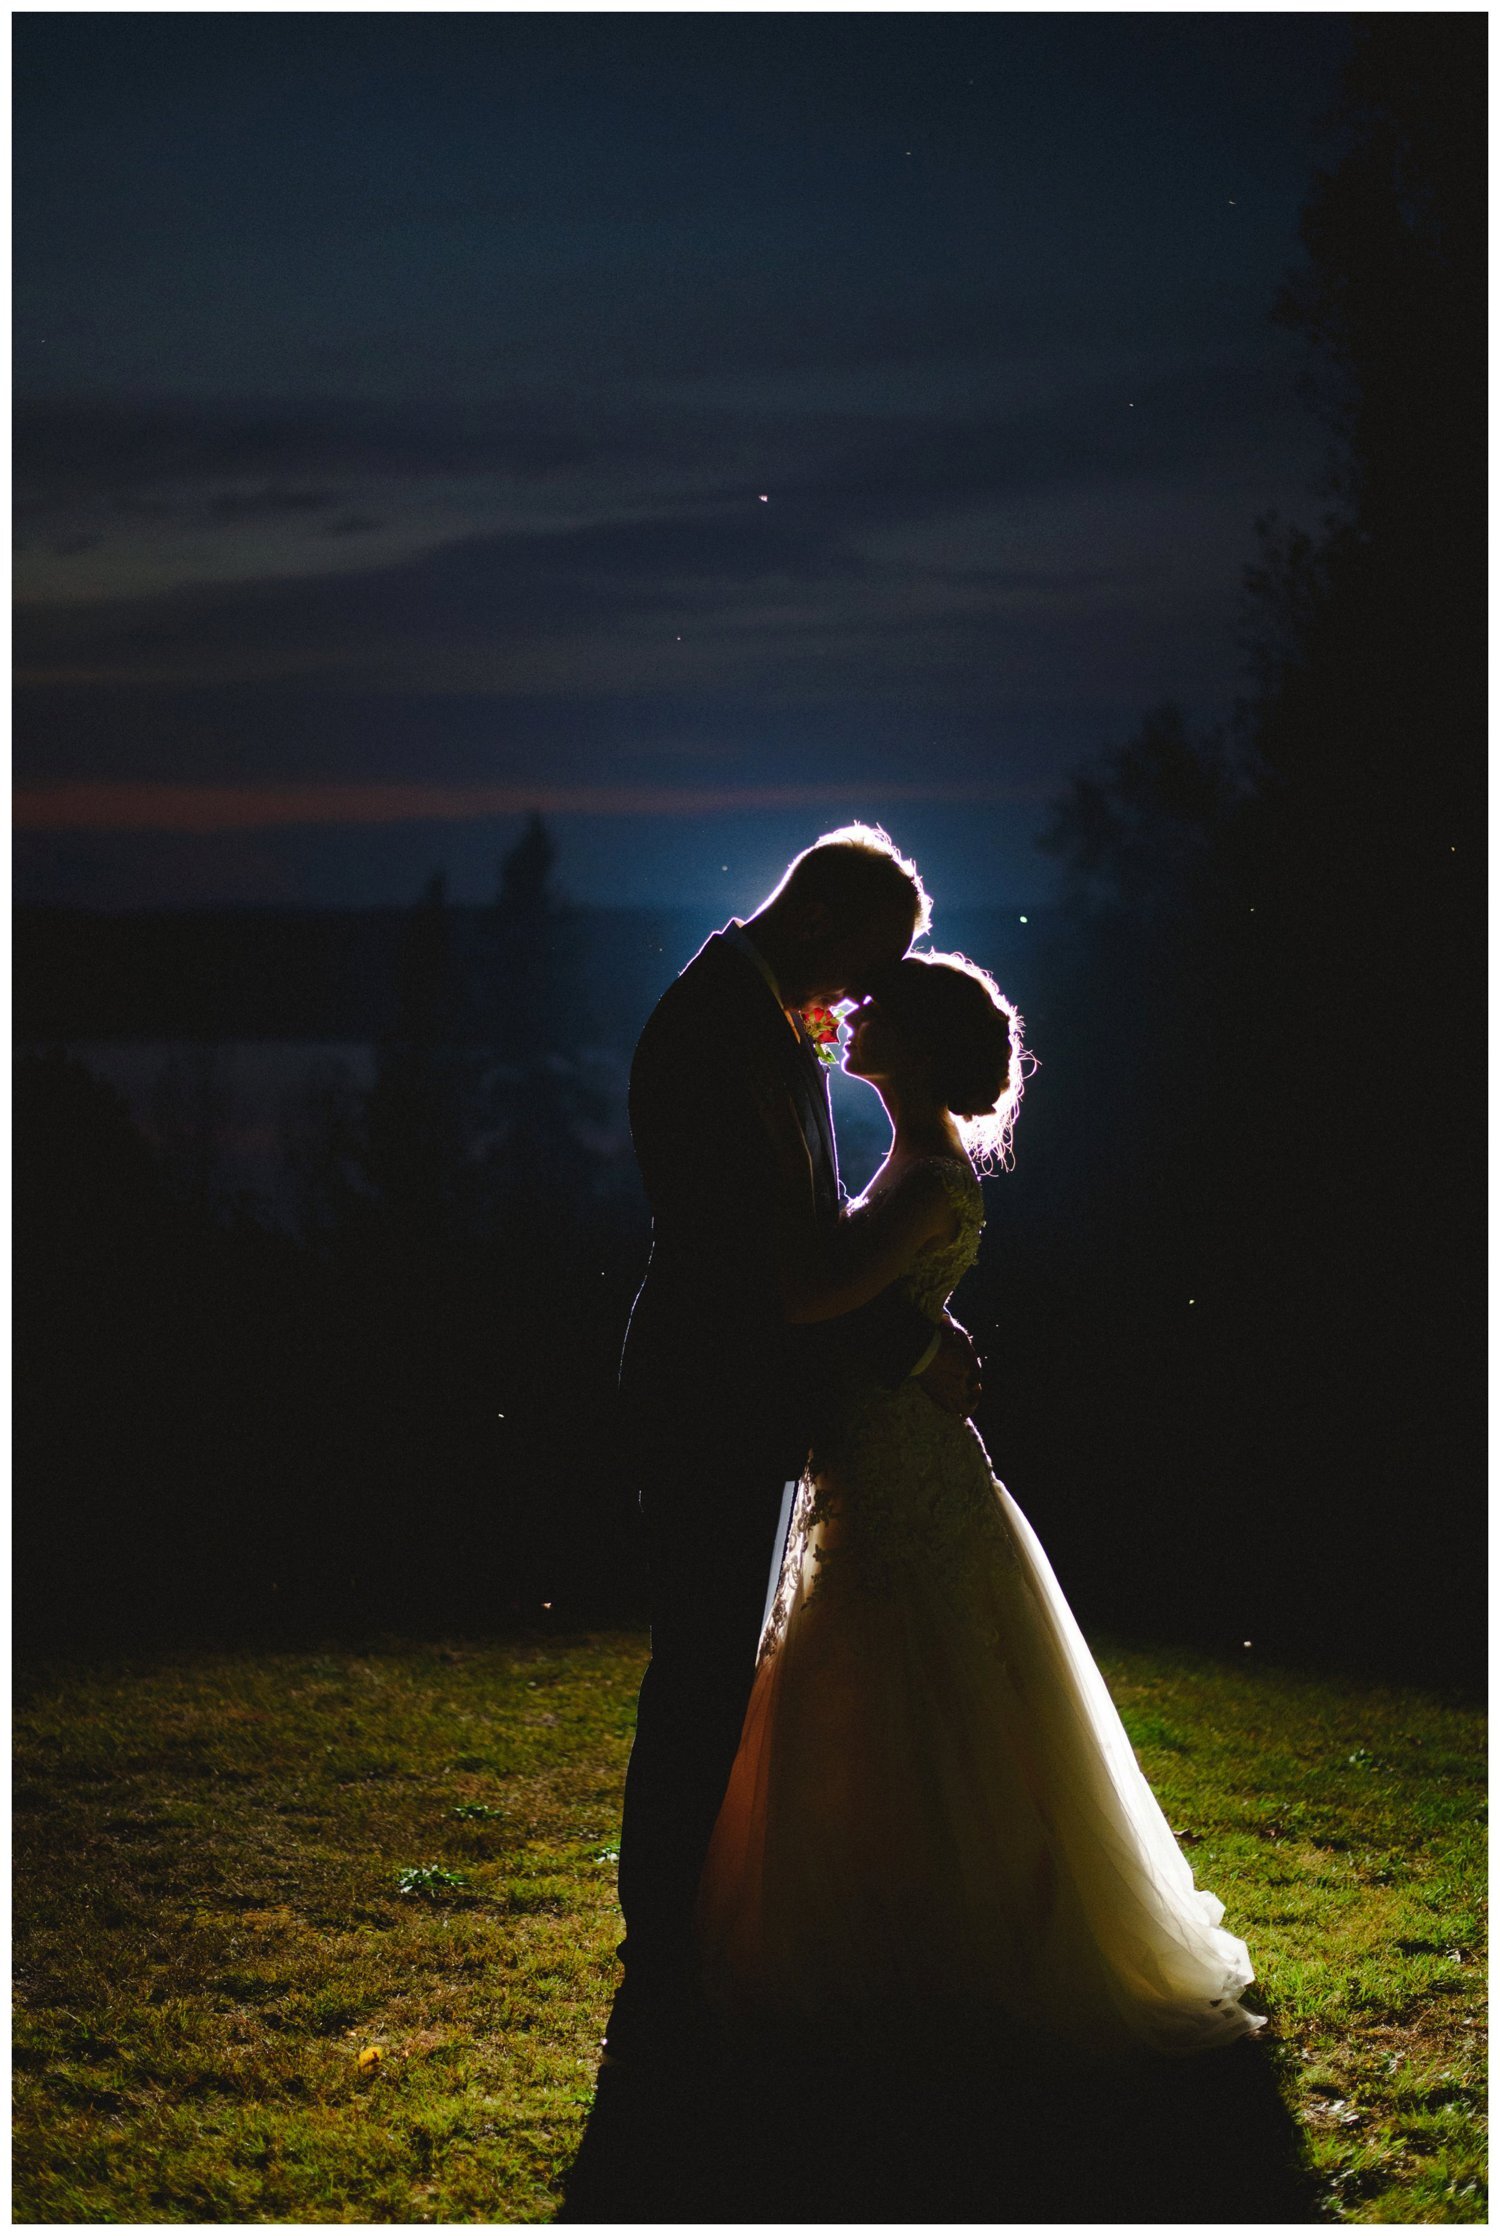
x=880 y=1047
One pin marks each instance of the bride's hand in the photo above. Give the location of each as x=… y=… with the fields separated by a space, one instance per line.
x=952 y=1380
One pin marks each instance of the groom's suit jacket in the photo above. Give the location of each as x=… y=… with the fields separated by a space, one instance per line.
x=730 y=1117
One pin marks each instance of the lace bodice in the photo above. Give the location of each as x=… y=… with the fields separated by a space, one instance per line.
x=941 y=1266
x=892 y=1479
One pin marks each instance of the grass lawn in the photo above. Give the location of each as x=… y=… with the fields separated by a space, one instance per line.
x=327 y=1936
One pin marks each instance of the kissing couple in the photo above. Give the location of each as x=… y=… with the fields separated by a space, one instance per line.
x=878 y=1786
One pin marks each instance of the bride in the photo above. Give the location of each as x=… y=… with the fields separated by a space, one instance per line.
x=935 y=1817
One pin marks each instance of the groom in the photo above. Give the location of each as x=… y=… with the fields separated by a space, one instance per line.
x=730 y=1118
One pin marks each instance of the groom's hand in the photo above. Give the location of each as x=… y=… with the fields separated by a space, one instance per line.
x=952 y=1380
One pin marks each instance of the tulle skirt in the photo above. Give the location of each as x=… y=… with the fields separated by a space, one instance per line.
x=935 y=1809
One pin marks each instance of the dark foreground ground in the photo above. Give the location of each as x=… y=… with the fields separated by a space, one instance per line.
x=327 y=1936
x=944 y=2138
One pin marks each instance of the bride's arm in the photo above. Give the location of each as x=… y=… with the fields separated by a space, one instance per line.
x=826 y=1273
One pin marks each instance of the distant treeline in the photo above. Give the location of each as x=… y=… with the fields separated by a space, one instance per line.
x=301 y=974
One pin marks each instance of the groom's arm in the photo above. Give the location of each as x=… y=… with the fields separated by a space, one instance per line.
x=947 y=1362
x=893 y=1338
x=952 y=1379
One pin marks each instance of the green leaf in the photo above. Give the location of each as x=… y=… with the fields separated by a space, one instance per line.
x=431 y=1881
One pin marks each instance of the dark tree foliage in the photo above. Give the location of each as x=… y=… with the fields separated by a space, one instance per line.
x=1371 y=729
x=1274 y=1041
x=1140 y=830
x=530 y=989
x=494 y=1279
x=399 y=1415
x=533 y=1016
x=161 y=1376
x=1370 y=720
x=417 y=1121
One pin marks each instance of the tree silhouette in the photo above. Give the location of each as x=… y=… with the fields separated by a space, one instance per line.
x=1278 y=964
x=529 y=997
x=419 y=1114
x=1372 y=698
x=325 y=1152
x=1363 y=844
x=1138 y=830
x=191 y=1104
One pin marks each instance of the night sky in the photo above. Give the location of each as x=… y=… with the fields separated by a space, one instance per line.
x=699 y=427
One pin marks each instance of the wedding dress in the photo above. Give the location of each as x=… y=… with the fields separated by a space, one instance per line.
x=935 y=1809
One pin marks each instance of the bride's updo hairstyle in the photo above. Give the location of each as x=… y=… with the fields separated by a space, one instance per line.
x=972 y=1038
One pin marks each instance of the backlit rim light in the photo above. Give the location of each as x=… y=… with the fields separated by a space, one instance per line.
x=989 y=1138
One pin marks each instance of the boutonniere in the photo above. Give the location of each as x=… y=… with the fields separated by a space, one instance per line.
x=822 y=1029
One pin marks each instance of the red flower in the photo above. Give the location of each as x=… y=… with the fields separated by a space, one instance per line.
x=822 y=1029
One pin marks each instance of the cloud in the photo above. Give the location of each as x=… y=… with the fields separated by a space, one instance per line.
x=93 y=445
x=202 y=809
x=1085 y=548
x=240 y=455
x=1188 y=424
x=259 y=504
x=512 y=587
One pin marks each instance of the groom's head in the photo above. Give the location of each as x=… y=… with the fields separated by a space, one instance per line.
x=848 y=907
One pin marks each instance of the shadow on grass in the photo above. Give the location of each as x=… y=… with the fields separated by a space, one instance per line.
x=981 y=2139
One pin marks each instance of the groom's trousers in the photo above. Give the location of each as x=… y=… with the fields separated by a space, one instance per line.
x=710 y=1517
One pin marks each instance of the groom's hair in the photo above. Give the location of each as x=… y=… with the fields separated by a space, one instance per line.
x=855 y=869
